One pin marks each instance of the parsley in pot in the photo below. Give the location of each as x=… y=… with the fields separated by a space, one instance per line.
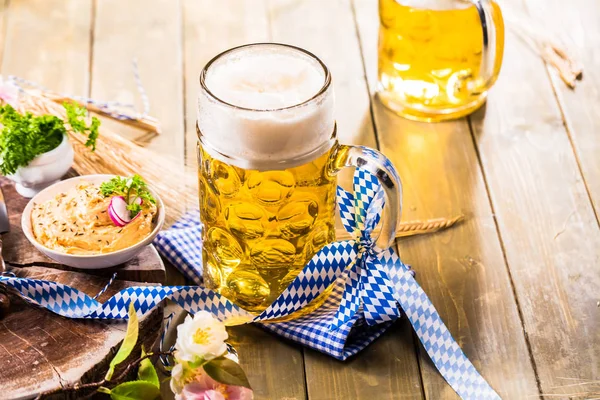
x=23 y=137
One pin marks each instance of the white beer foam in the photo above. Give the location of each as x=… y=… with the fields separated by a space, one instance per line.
x=436 y=5
x=275 y=82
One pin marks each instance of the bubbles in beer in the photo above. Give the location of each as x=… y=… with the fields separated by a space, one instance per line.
x=297 y=217
x=258 y=239
x=224 y=178
x=208 y=201
x=271 y=187
x=248 y=288
x=227 y=250
x=430 y=55
x=245 y=220
x=273 y=253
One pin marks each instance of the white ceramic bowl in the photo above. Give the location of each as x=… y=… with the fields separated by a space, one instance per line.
x=88 y=261
x=44 y=170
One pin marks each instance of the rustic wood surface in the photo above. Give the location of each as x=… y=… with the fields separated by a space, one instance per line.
x=40 y=351
x=518 y=282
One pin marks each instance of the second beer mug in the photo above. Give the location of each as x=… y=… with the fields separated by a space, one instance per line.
x=438 y=58
x=268 y=157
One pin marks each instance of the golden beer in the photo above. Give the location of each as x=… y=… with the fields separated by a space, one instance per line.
x=433 y=63
x=262 y=227
x=267 y=163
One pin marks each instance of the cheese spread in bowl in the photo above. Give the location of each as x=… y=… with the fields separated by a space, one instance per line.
x=70 y=223
x=77 y=222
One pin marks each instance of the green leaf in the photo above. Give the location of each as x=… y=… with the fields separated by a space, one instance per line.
x=135 y=390
x=128 y=344
x=228 y=372
x=147 y=372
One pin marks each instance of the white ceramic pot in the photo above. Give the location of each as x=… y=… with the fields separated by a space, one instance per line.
x=44 y=170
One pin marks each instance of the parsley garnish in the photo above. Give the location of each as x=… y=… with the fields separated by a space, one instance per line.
x=23 y=137
x=130 y=188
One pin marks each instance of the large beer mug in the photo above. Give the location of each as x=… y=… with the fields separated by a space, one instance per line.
x=438 y=58
x=268 y=158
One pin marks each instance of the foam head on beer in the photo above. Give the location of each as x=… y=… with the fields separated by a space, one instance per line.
x=263 y=106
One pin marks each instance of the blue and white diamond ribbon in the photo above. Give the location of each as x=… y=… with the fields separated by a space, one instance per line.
x=368 y=285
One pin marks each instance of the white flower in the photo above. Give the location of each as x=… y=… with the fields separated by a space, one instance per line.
x=177 y=383
x=201 y=336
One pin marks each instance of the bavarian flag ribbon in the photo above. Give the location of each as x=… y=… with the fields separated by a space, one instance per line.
x=371 y=288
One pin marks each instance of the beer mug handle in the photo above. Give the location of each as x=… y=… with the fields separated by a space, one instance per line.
x=487 y=69
x=380 y=166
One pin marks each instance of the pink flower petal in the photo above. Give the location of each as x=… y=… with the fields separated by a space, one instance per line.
x=239 y=393
x=195 y=391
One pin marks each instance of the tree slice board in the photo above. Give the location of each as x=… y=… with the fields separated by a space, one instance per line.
x=146 y=267
x=40 y=351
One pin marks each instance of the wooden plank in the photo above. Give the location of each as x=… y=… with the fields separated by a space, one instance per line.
x=47 y=41
x=546 y=221
x=461 y=269
x=150 y=32
x=260 y=355
x=3 y=18
x=388 y=369
x=275 y=369
x=577 y=26
x=40 y=351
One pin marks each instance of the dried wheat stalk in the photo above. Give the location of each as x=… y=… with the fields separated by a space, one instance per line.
x=548 y=48
x=411 y=228
x=116 y=155
x=146 y=123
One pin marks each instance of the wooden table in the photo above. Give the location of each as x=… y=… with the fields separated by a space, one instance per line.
x=517 y=283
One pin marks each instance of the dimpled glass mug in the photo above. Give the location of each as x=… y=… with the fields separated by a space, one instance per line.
x=268 y=158
x=438 y=58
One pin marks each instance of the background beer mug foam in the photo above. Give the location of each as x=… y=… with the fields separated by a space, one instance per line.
x=268 y=156
x=433 y=64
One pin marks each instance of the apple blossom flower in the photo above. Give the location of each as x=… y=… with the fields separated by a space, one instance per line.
x=202 y=336
x=206 y=388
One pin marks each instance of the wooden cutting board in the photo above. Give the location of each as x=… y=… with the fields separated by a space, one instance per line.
x=40 y=350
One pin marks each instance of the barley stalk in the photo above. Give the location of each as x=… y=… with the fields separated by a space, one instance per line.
x=411 y=228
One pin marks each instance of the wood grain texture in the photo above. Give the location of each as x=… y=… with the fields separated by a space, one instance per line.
x=40 y=351
x=546 y=221
x=327 y=29
x=576 y=26
x=3 y=18
x=150 y=32
x=47 y=41
x=461 y=269
x=275 y=368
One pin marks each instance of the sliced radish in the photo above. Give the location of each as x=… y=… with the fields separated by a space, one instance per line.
x=114 y=218
x=138 y=200
x=118 y=212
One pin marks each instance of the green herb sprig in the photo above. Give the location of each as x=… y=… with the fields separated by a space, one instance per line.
x=130 y=188
x=76 y=116
x=23 y=137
